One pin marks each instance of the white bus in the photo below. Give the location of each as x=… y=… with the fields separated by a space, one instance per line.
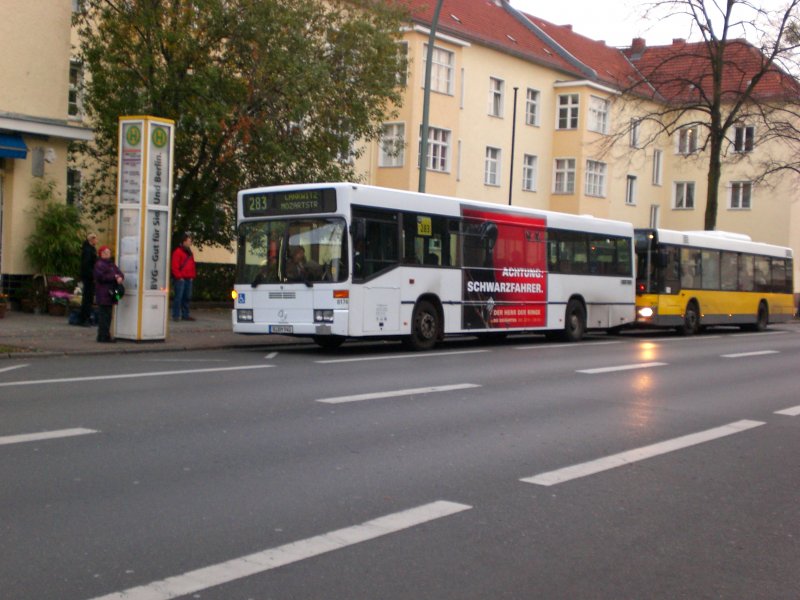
x=340 y=260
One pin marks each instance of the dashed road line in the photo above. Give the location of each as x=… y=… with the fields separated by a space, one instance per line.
x=261 y=562
x=748 y=354
x=631 y=456
x=7 y=369
x=398 y=393
x=45 y=435
x=132 y=375
x=794 y=411
x=398 y=356
x=630 y=367
x=564 y=345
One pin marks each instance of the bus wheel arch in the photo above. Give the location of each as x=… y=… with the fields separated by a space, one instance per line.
x=574 y=320
x=762 y=317
x=427 y=323
x=691 y=318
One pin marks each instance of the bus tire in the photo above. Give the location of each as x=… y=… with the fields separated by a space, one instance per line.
x=762 y=318
x=691 y=319
x=425 y=327
x=574 y=321
x=328 y=342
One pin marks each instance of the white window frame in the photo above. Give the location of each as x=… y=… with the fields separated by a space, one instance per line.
x=598 y=114
x=596 y=172
x=736 y=195
x=392 y=145
x=492 y=166
x=530 y=167
x=568 y=111
x=564 y=173
x=635 y=133
x=680 y=195
x=442 y=69
x=740 y=138
x=532 y=99
x=497 y=88
x=631 y=183
x=688 y=140
x=74 y=100
x=658 y=167
x=438 y=158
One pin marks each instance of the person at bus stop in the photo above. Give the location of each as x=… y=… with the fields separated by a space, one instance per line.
x=301 y=269
x=183 y=273
x=106 y=276
x=88 y=260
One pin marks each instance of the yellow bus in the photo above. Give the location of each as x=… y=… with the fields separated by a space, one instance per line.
x=691 y=279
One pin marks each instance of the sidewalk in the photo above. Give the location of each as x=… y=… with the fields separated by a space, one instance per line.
x=26 y=334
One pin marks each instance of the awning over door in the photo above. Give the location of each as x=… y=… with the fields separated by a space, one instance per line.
x=12 y=146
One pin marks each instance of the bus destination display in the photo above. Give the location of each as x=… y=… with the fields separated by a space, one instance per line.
x=296 y=202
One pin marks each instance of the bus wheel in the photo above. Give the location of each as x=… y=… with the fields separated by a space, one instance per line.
x=691 y=320
x=574 y=321
x=328 y=342
x=424 y=327
x=762 y=319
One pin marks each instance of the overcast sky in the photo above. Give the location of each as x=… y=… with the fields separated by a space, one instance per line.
x=614 y=21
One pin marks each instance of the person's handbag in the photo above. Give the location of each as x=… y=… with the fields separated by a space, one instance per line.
x=116 y=292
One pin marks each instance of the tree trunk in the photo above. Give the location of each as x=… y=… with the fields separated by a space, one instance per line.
x=714 y=176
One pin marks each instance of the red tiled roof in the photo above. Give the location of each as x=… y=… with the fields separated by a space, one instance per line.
x=486 y=22
x=680 y=72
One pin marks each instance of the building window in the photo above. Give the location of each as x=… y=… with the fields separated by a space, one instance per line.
x=529 y=168
x=630 y=190
x=402 y=76
x=75 y=80
x=744 y=138
x=564 y=180
x=532 y=108
x=598 y=114
x=635 y=130
x=684 y=195
x=441 y=70
x=491 y=171
x=658 y=167
x=595 y=178
x=741 y=195
x=687 y=140
x=438 y=149
x=496 y=92
x=567 y=111
x=392 y=145
x=73 y=187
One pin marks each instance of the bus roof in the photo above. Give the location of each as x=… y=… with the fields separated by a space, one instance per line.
x=381 y=197
x=719 y=240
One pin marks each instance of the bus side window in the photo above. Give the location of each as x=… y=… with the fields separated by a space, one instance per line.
x=691 y=269
x=729 y=271
x=746 y=273
x=671 y=270
x=763 y=280
x=779 y=276
x=381 y=249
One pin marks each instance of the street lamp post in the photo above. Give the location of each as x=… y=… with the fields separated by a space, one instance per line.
x=426 y=103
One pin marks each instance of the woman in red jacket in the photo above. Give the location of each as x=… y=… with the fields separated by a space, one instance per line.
x=183 y=273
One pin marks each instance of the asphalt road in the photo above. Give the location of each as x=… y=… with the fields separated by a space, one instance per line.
x=640 y=466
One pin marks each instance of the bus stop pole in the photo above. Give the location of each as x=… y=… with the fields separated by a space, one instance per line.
x=426 y=102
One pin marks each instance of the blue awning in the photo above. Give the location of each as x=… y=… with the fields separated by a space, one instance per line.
x=12 y=146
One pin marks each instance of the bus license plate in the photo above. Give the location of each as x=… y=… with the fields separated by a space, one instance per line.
x=281 y=329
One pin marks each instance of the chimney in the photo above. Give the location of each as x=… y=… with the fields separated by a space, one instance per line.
x=638 y=45
x=678 y=41
x=567 y=27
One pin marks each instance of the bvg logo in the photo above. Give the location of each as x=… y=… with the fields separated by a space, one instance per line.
x=134 y=135
x=159 y=137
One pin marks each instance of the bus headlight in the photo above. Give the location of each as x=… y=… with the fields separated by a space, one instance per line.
x=646 y=312
x=244 y=315
x=323 y=316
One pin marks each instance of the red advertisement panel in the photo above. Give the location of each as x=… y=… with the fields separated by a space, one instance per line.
x=504 y=276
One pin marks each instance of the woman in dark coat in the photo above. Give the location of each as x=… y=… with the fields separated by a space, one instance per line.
x=106 y=276
x=88 y=259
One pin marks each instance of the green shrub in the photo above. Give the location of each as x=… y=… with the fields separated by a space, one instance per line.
x=214 y=282
x=54 y=247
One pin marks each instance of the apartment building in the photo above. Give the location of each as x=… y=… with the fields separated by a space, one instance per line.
x=40 y=115
x=507 y=86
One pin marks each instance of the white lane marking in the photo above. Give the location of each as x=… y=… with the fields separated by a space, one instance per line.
x=750 y=334
x=791 y=412
x=261 y=562
x=398 y=356
x=694 y=338
x=622 y=368
x=397 y=393
x=271 y=355
x=746 y=354
x=44 y=435
x=7 y=369
x=185 y=360
x=565 y=345
x=632 y=456
x=133 y=375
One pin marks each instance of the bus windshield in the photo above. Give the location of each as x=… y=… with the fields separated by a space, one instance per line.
x=292 y=251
